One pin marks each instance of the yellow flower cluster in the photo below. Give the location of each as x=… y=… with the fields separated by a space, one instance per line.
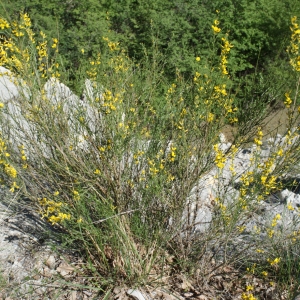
x=219 y=157
x=16 y=57
x=55 y=43
x=23 y=156
x=152 y=167
x=76 y=195
x=274 y=262
x=25 y=20
x=288 y=101
x=52 y=211
x=268 y=181
x=248 y=296
x=275 y=220
x=258 y=139
x=172 y=88
x=172 y=154
x=42 y=51
x=110 y=101
x=217 y=103
x=215 y=27
x=247 y=178
x=3 y=24
x=224 y=53
x=10 y=54
x=17 y=29
x=293 y=48
x=119 y=63
x=93 y=72
x=210 y=117
x=137 y=156
x=113 y=46
x=7 y=168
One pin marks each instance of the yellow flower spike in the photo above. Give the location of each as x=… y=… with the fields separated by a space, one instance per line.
x=288 y=101
x=270 y=232
x=56 y=193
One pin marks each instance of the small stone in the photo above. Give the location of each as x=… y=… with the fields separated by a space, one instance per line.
x=88 y=293
x=47 y=272
x=73 y=295
x=36 y=277
x=65 y=269
x=117 y=290
x=50 y=262
x=188 y=295
x=135 y=294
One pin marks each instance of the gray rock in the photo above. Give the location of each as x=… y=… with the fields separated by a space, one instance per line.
x=137 y=295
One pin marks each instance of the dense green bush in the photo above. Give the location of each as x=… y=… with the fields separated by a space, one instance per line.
x=180 y=30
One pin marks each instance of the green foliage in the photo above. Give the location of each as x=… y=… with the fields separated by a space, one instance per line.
x=180 y=30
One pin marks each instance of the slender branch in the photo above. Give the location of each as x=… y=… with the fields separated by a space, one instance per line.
x=120 y=214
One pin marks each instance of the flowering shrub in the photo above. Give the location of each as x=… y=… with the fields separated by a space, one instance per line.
x=116 y=168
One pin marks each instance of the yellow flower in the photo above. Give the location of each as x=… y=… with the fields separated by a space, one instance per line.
x=14 y=185
x=274 y=262
x=97 y=172
x=10 y=171
x=172 y=155
x=270 y=232
x=210 y=117
x=3 y=24
x=1 y=105
x=54 y=220
x=215 y=29
x=260 y=251
x=280 y=152
x=43 y=34
x=197 y=58
x=246 y=296
x=76 y=195
x=288 y=101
